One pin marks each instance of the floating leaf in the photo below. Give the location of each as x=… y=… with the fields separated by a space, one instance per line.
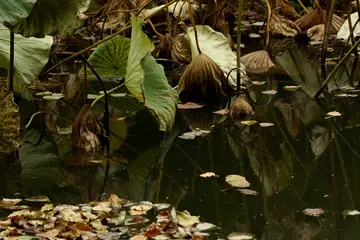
x=54 y=96
x=333 y=114
x=185 y=219
x=248 y=191
x=269 y=92
x=223 y=111
x=9 y=122
x=109 y=58
x=189 y=105
x=10 y=201
x=266 y=124
x=240 y=236
x=159 y=96
x=291 y=88
x=237 y=181
x=140 y=45
x=194 y=133
x=315 y=212
x=208 y=174
x=38 y=199
x=259 y=83
x=51 y=234
x=43 y=93
x=27 y=64
x=249 y=122
x=351 y=212
x=140 y=209
x=204 y=226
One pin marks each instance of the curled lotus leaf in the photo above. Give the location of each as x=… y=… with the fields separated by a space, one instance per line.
x=9 y=122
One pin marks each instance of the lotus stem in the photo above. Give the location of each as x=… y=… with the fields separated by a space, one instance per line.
x=108 y=92
x=238 y=46
x=302 y=5
x=168 y=19
x=32 y=118
x=105 y=39
x=356 y=58
x=11 y=62
x=325 y=41
x=268 y=23
x=193 y=23
x=85 y=82
x=154 y=29
x=331 y=75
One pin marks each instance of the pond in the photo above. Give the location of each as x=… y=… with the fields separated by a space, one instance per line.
x=305 y=160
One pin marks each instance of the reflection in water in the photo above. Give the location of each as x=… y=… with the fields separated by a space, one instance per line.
x=303 y=161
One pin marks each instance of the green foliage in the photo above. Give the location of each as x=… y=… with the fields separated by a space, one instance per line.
x=159 y=96
x=50 y=17
x=31 y=55
x=109 y=58
x=12 y=11
x=139 y=47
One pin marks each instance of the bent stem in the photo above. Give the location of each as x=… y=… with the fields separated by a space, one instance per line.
x=103 y=94
x=268 y=24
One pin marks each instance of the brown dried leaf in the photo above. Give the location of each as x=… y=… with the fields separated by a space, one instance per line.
x=189 y=105
x=282 y=26
x=316 y=33
x=257 y=62
x=241 y=107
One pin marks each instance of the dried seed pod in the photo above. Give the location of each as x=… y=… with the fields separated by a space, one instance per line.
x=318 y=16
x=257 y=62
x=86 y=130
x=282 y=26
x=202 y=81
x=241 y=107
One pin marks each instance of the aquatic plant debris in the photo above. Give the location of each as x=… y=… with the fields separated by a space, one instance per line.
x=194 y=133
x=266 y=124
x=248 y=191
x=112 y=218
x=351 y=212
x=237 y=181
x=269 y=92
x=208 y=175
x=249 y=122
x=314 y=212
x=223 y=111
x=189 y=105
x=240 y=236
x=291 y=88
x=332 y=114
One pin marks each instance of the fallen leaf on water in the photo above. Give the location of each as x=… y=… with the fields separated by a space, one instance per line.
x=269 y=92
x=153 y=231
x=258 y=83
x=248 y=192
x=10 y=201
x=224 y=111
x=333 y=114
x=266 y=124
x=291 y=88
x=237 y=181
x=38 y=199
x=139 y=237
x=189 y=105
x=185 y=219
x=240 y=236
x=208 y=174
x=315 y=212
x=140 y=209
x=204 y=226
x=193 y=134
x=350 y=212
x=249 y=123
x=49 y=234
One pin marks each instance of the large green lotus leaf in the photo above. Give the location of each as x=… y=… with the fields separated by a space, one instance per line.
x=159 y=96
x=109 y=58
x=140 y=45
x=215 y=45
x=52 y=17
x=11 y=11
x=31 y=55
x=9 y=122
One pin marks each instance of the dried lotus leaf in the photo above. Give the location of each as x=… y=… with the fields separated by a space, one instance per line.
x=316 y=33
x=202 y=81
x=282 y=26
x=257 y=62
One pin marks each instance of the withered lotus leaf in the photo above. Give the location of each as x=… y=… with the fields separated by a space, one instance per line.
x=257 y=62
x=202 y=81
x=241 y=107
x=282 y=26
x=86 y=129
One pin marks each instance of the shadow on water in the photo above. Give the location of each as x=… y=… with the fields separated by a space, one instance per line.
x=303 y=161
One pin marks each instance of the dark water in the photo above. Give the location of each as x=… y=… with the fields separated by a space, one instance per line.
x=303 y=161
